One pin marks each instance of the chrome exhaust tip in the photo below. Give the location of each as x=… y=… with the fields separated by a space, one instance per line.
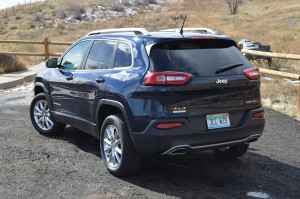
x=177 y=150
x=251 y=139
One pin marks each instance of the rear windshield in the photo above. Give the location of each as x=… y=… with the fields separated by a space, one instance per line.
x=202 y=57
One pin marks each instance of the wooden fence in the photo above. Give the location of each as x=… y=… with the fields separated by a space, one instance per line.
x=47 y=53
x=46 y=43
x=278 y=73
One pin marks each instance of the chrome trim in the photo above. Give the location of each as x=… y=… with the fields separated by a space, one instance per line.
x=118 y=30
x=186 y=146
x=208 y=30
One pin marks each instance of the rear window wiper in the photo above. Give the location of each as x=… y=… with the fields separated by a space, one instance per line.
x=228 y=67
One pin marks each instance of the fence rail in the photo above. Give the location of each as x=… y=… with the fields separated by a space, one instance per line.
x=46 y=43
x=273 y=55
x=47 y=53
x=278 y=73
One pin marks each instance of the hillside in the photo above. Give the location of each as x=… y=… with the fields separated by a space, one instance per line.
x=273 y=22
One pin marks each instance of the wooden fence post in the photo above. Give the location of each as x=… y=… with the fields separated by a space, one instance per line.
x=46 y=43
x=298 y=104
x=240 y=46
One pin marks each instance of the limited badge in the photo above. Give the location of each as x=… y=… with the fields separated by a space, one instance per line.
x=179 y=109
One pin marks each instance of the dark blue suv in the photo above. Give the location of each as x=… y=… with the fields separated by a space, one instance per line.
x=147 y=93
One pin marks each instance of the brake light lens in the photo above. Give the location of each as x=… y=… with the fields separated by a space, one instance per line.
x=165 y=126
x=169 y=78
x=258 y=115
x=252 y=73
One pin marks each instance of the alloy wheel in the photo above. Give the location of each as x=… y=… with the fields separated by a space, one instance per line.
x=112 y=146
x=42 y=116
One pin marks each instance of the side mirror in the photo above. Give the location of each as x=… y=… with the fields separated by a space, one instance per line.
x=52 y=63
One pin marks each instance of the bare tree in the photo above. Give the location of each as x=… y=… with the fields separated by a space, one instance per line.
x=233 y=5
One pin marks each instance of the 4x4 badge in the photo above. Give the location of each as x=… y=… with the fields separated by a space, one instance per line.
x=221 y=81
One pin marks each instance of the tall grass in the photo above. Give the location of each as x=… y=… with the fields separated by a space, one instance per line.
x=17 y=65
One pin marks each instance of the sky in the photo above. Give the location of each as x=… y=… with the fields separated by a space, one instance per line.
x=9 y=3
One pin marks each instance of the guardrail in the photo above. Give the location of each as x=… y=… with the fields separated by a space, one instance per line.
x=278 y=73
x=45 y=42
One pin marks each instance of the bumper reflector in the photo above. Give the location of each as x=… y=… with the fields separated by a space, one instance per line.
x=171 y=125
x=259 y=115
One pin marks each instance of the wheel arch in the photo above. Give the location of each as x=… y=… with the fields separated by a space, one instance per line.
x=39 y=88
x=107 y=107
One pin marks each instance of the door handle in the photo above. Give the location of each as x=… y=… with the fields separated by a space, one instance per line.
x=100 y=80
x=69 y=77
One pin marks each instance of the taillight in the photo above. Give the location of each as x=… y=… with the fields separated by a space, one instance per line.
x=252 y=73
x=171 y=125
x=258 y=115
x=162 y=78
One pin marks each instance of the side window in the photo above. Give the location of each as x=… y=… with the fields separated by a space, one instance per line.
x=123 y=55
x=100 y=55
x=73 y=58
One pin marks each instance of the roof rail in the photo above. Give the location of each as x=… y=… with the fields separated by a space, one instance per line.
x=137 y=31
x=200 y=30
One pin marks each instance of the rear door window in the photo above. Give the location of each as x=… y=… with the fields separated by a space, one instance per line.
x=123 y=55
x=202 y=57
x=100 y=55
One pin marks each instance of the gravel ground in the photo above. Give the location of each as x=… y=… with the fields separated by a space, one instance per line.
x=70 y=166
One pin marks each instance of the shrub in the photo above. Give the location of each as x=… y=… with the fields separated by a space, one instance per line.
x=76 y=10
x=61 y=14
x=37 y=17
x=18 y=18
x=60 y=26
x=141 y=2
x=233 y=5
x=117 y=7
x=153 y=1
x=127 y=3
x=11 y=64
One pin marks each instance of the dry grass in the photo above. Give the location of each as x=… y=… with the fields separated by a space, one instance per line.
x=281 y=95
x=276 y=23
x=17 y=65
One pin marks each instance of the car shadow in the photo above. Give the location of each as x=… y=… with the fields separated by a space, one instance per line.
x=201 y=175
x=82 y=140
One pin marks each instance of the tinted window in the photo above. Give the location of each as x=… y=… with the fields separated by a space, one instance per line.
x=100 y=55
x=197 y=57
x=123 y=55
x=74 y=57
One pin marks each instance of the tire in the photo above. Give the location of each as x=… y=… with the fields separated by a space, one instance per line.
x=117 y=150
x=231 y=152
x=41 y=118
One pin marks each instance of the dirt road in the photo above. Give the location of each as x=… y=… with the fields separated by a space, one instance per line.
x=70 y=166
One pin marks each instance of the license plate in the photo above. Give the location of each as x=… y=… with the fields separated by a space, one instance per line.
x=218 y=121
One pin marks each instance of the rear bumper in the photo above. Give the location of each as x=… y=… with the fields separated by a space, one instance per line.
x=187 y=137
